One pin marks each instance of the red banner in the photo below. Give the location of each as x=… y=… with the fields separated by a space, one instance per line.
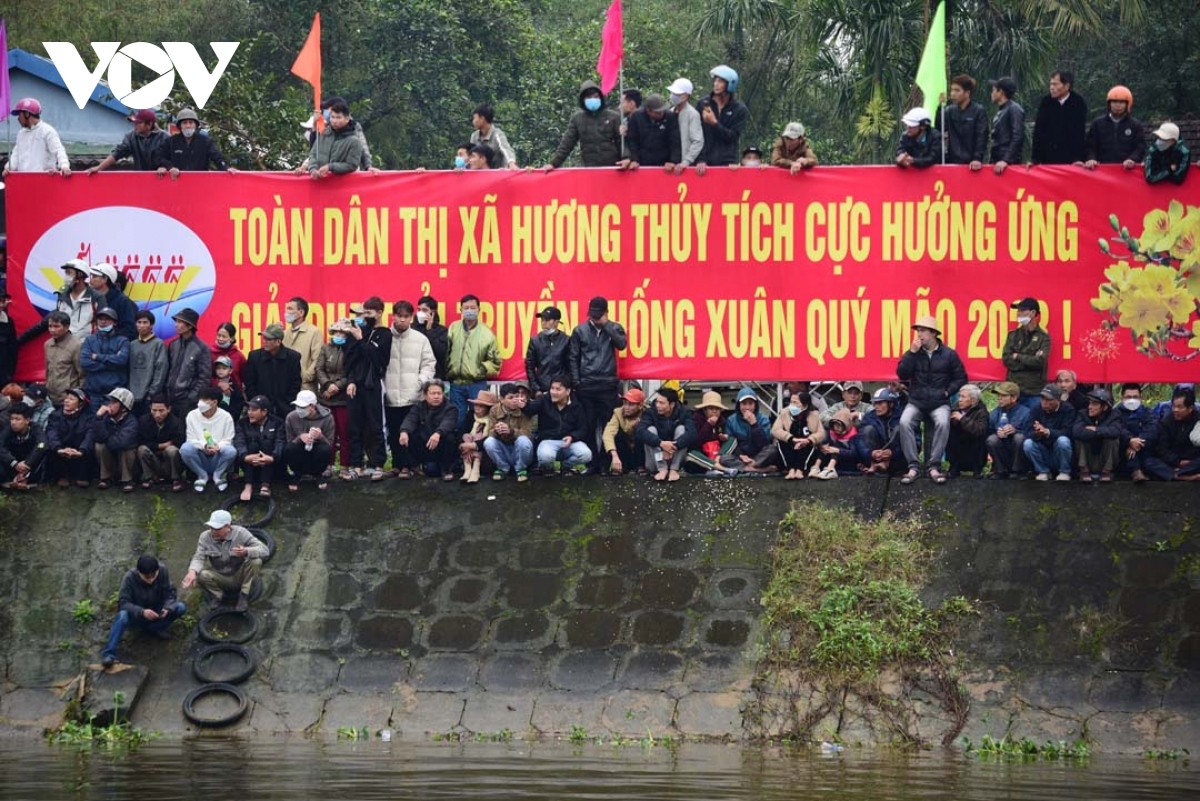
x=746 y=274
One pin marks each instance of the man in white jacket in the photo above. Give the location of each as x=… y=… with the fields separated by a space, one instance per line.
x=209 y=449
x=412 y=363
x=38 y=148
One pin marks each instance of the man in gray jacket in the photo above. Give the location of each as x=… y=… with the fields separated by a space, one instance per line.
x=227 y=559
x=691 y=127
x=596 y=129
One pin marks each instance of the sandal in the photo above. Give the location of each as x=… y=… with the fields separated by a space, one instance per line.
x=264 y=491
x=322 y=485
x=909 y=477
x=102 y=485
x=448 y=476
x=147 y=485
x=937 y=476
x=404 y=473
x=293 y=487
x=349 y=475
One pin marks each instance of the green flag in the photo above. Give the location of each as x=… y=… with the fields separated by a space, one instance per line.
x=931 y=75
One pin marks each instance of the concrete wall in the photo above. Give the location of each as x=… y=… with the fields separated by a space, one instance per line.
x=622 y=606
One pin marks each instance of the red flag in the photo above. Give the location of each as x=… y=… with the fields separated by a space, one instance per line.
x=308 y=68
x=612 y=48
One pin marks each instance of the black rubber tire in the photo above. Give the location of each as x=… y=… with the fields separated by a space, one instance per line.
x=234 y=500
x=256 y=589
x=198 y=669
x=213 y=723
x=266 y=539
x=204 y=629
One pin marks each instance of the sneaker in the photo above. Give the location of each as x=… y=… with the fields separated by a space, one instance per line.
x=815 y=472
x=1065 y=477
x=107 y=660
x=828 y=473
x=714 y=474
x=376 y=474
x=1043 y=476
x=221 y=481
x=498 y=475
x=522 y=475
x=580 y=469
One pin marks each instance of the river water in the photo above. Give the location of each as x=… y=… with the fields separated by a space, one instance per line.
x=292 y=770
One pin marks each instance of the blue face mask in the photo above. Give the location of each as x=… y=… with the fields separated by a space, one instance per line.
x=460 y=163
x=592 y=104
x=104 y=329
x=361 y=322
x=794 y=411
x=339 y=340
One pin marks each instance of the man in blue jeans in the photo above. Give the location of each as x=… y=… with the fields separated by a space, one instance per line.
x=1048 y=442
x=147 y=601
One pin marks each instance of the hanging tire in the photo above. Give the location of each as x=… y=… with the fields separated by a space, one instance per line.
x=207 y=629
x=189 y=703
x=234 y=500
x=266 y=539
x=204 y=676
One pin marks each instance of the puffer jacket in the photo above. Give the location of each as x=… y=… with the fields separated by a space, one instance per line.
x=546 y=359
x=592 y=358
x=782 y=430
x=105 y=362
x=410 y=365
x=598 y=135
x=751 y=439
x=331 y=371
x=341 y=150
x=932 y=377
x=267 y=437
x=117 y=435
x=70 y=430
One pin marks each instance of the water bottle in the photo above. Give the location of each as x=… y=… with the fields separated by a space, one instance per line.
x=1003 y=419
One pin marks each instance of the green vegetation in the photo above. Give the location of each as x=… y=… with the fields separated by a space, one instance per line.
x=84 y=612
x=1173 y=754
x=159 y=521
x=577 y=735
x=119 y=735
x=351 y=733
x=1008 y=747
x=843 y=601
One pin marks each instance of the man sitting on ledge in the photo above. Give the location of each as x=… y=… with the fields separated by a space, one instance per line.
x=147 y=601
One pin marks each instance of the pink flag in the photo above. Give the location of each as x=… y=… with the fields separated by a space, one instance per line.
x=612 y=48
x=5 y=89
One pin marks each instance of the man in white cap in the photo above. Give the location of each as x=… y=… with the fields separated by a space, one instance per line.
x=921 y=143
x=104 y=281
x=792 y=151
x=38 y=148
x=227 y=560
x=933 y=372
x=310 y=432
x=1170 y=158
x=116 y=436
x=76 y=299
x=691 y=127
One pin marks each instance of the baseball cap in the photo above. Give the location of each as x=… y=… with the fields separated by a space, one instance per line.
x=145 y=115
x=1028 y=304
x=273 y=331
x=305 y=399
x=852 y=385
x=550 y=313
x=634 y=395
x=793 y=130
x=1008 y=388
x=1168 y=130
x=1052 y=392
x=681 y=86
x=219 y=519
x=259 y=402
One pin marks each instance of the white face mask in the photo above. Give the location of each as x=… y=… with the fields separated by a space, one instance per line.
x=1132 y=404
x=422 y=317
x=1164 y=144
x=1024 y=320
x=291 y=317
x=204 y=407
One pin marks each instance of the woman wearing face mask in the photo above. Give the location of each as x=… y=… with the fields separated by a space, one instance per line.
x=189 y=150
x=798 y=432
x=331 y=385
x=429 y=323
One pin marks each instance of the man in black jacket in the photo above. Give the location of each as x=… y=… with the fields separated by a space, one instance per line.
x=920 y=144
x=1061 y=123
x=147 y=601
x=1116 y=137
x=933 y=372
x=592 y=363
x=22 y=450
x=116 y=439
x=8 y=340
x=653 y=138
x=259 y=442
x=724 y=118
x=1174 y=455
x=160 y=436
x=368 y=352
x=965 y=123
x=1008 y=126
x=189 y=150
x=273 y=370
x=189 y=364
x=429 y=323
x=562 y=429
x=546 y=356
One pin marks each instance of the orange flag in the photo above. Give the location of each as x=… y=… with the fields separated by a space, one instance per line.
x=308 y=68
